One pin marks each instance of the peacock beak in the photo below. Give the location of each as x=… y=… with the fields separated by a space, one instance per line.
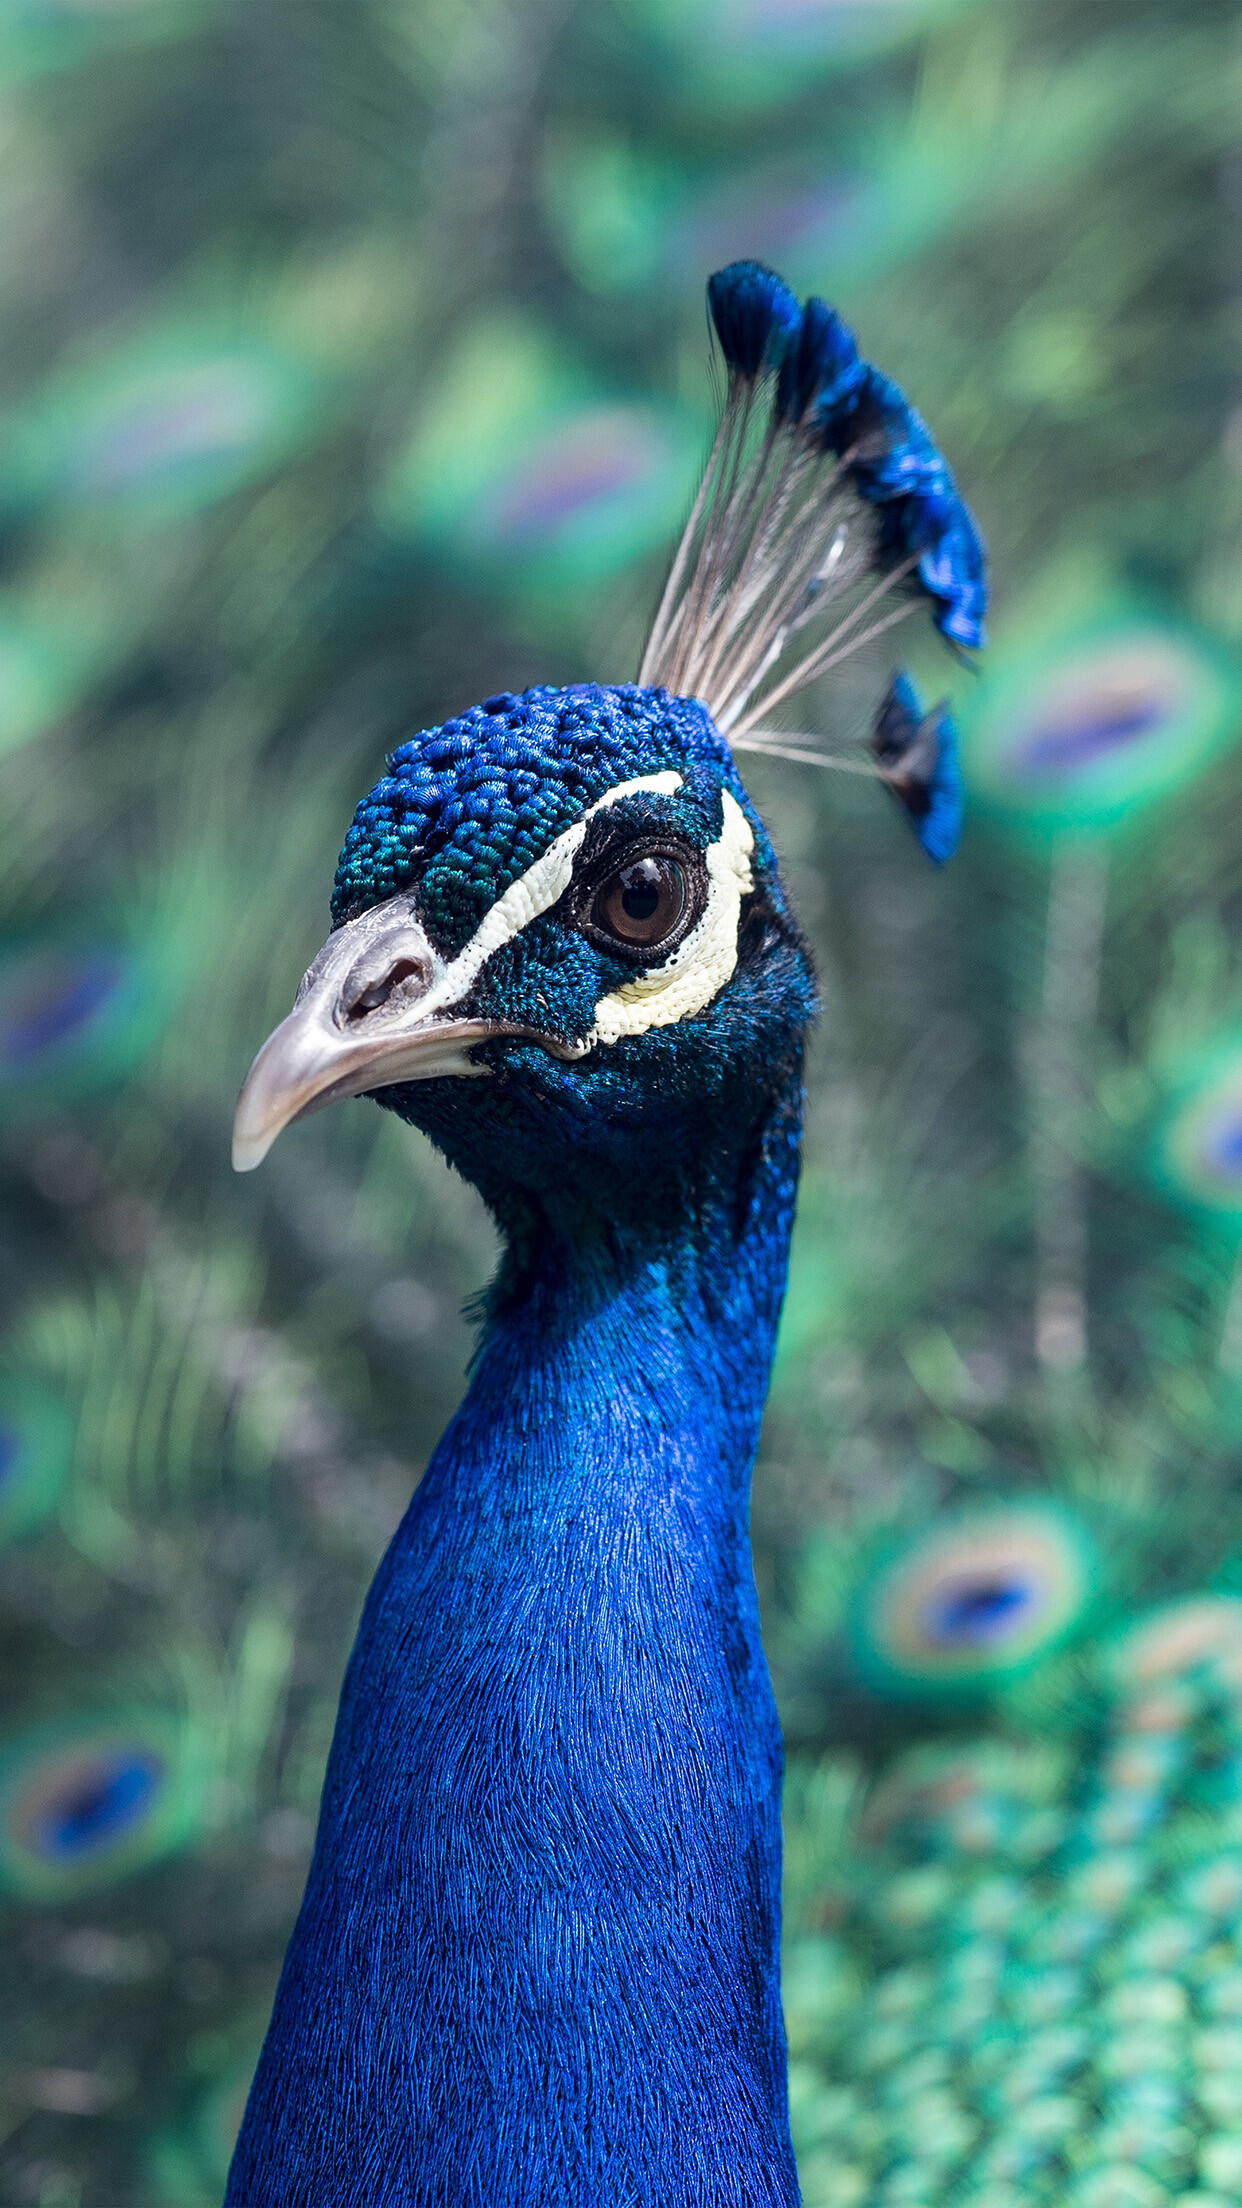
x=370 y=1012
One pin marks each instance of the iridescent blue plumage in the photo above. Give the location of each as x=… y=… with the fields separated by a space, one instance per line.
x=537 y=1960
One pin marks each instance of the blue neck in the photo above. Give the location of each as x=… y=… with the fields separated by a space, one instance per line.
x=537 y=1961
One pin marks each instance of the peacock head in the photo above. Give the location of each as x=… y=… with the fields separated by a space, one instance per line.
x=561 y=947
x=560 y=942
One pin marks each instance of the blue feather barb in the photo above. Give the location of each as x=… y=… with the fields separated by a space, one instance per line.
x=896 y=465
x=820 y=368
x=919 y=756
x=827 y=514
x=755 y=315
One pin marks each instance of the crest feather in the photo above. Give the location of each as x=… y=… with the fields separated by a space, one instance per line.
x=826 y=515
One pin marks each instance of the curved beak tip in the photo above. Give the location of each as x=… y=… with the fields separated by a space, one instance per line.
x=249 y=1149
x=283 y=1081
x=255 y=1123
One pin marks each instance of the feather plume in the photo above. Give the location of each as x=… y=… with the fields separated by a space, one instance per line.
x=826 y=515
x=918 y=758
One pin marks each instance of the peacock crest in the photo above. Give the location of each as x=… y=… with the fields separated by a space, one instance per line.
x=826 y=515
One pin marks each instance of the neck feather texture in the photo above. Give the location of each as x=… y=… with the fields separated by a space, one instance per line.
x=537 y=1961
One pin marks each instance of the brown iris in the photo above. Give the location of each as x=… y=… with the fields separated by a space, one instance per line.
x=641 y=903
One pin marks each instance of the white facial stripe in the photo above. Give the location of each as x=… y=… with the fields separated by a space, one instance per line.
x=699 y=967
x=665 y=784
x=534 y=892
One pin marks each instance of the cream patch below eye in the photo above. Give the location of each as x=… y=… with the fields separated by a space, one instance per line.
x=699 y=967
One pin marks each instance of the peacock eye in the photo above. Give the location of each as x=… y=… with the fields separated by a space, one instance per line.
x=641 y=903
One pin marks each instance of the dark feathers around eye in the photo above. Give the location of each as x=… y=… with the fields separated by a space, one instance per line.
x=755 y=315
x=768 y=931
x=918 y=752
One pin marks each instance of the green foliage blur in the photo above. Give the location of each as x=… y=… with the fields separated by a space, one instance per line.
x=353 y=366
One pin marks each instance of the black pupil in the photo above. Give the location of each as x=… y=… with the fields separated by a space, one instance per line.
x=640 y=890
x=644 y=900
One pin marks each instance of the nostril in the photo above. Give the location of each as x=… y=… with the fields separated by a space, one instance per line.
x=378 y=992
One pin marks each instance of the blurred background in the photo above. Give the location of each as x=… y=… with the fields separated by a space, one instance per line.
x=353 y=366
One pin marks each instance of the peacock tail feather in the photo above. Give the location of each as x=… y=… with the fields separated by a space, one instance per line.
x=84 y=1804
x=36 y=1449
x=1014 y=1971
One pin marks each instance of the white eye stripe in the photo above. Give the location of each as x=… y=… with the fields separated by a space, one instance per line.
x=664 y=784
x=534 y=892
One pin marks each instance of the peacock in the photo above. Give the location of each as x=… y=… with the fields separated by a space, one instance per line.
x=537 y=1959
x=287 y=474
